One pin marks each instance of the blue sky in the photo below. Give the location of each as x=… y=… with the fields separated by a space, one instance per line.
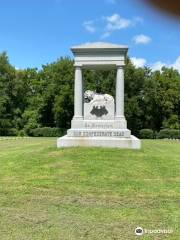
x=36 y=32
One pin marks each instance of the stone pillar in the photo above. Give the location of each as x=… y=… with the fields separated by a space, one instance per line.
x=78 y=94
x=120 y=93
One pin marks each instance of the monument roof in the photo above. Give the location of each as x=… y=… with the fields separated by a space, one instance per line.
x=99 y=47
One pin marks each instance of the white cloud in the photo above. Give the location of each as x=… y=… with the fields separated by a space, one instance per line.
x=176 y=64
x=138 y=62
x=157 y=66
x=105 y=35
x=109 y=24
x=141 y=39
x=89 y=26
x=115 y=22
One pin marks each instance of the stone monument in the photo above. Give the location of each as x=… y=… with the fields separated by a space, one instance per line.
x=99 y=119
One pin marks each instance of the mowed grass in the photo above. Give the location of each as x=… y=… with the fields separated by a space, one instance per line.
x=88 y=193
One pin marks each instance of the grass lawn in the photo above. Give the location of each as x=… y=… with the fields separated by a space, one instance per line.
x=88 y=193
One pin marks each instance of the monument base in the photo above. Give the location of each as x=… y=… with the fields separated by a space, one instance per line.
x=112 y=142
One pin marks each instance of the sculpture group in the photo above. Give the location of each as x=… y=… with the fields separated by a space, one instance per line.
x=99 y=119
x=93 y=97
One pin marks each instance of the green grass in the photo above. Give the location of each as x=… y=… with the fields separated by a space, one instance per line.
x=87 y=193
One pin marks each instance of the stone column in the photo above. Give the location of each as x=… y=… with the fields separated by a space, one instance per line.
x=120 y=93
x=78 y=94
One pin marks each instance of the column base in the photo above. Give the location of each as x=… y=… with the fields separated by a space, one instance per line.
x=121 y=121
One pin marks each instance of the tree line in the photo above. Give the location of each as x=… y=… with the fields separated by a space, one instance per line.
x=32 y=98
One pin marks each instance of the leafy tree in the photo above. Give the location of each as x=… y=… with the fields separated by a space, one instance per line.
x=34 y=99
x=7 y=74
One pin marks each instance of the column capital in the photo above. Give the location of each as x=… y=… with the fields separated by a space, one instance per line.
x=77 y=66
x=120 y=66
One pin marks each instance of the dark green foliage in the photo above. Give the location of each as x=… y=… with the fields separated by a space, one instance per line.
x=22 y=133
x=47 y=132
x=146 y=134
x=169 y=133
x=31 y=99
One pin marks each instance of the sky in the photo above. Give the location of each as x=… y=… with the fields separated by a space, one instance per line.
x=37 y=32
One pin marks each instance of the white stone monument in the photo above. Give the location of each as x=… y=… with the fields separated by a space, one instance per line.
x=99 y=120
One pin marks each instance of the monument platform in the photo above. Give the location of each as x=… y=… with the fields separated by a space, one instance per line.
x=111 y=142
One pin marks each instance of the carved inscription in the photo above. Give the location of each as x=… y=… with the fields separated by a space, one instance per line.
x=98 y=125
x=98 y=134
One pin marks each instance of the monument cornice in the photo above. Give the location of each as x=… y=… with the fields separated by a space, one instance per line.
x=99 y=47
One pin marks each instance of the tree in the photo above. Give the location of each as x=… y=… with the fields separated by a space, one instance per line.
x=7 y=74
x=32 y=98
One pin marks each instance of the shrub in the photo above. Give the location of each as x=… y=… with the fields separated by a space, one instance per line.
x=46 y=132
x=12 y=132
x=169 y=133
x=172 y=122
x=146 y=134
x=22 y=133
